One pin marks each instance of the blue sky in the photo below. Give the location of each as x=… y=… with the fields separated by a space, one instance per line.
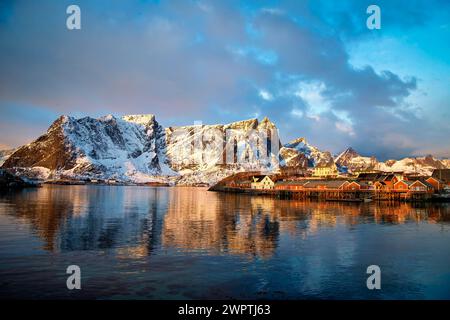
x=312 y=67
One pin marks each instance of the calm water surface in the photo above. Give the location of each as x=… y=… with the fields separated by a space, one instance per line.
x=188 y=243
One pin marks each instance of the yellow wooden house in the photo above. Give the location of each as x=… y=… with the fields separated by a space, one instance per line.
x=262 y=182
x=327 y=170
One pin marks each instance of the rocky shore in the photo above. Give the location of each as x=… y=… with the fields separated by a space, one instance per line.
x=11 y=181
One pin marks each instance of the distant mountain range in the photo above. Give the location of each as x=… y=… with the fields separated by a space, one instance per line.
x=136 y=148
x=353 y=162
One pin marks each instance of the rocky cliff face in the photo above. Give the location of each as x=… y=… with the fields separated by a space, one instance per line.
x=208 y=153
x=136 y=148
x=132 y=147
x=49 y=150
x=353 y=162
x=304 y=150
x=11 y=181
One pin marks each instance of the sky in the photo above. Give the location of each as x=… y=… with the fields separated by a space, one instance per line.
x=312 y=67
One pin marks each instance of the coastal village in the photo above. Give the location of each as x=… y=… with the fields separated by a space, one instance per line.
x=326 y=183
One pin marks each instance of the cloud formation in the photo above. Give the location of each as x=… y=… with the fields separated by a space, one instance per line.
x=220 y=61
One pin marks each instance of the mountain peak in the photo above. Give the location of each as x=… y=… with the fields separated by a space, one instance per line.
x=243 y=124
x=266 y=120
x=58 y=123
x=266 y=124
x=294 y=143
x=348 y=153
x=312 y=153
x=345 y=157
x=142 y=119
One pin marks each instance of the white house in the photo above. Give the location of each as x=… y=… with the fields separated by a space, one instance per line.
x=262 y=182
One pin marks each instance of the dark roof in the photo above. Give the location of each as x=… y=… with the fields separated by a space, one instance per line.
x=415 y=178
x=424 y=183
x=408 y=183
x=369 y=176
x=293 y=182
x=326 y=183
x=388 y=177
x=442 y=174
x=423 y=180
x=376 y=176
x=363 y=183
x=260 y=177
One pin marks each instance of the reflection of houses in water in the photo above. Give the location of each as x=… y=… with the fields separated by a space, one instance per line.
x=191 y=220
x=134 y=221
x=219 y=223
x=397 y=213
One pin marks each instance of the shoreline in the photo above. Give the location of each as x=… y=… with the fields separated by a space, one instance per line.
x=358 y=196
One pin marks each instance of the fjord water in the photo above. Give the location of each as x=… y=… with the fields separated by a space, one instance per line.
x=188 y=243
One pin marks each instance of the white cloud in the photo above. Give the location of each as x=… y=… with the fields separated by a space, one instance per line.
x=345 y=127
x=274 y=11
x=311 y=92
x=313 y=117
x=297 y=113
x=265 y=95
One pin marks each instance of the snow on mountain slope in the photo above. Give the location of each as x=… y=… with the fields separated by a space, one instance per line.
x=353 y=161
x=129 y=149
x=293 y=158
x=135 y=148
x=208 y=153
x=312 y=153
x=419 y=165
x=446 y=163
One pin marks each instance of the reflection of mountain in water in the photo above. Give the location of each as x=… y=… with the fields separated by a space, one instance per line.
x=135 y=221
x=219 y=223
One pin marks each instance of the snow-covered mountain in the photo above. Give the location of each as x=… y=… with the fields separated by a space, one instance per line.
x=352 y=161
x=310 y=152
x=136 y=148
x=446 y=163
x=209 y=153
x=418 y=165
x=290 y=157
x=127 y=148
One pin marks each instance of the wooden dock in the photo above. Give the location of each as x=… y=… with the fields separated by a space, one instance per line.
x=331 y=195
